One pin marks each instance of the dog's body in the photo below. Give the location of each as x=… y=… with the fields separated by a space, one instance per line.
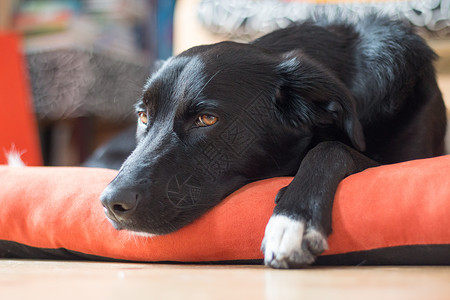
x=319 y=100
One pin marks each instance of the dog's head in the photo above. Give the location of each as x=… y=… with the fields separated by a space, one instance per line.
x=217 y=117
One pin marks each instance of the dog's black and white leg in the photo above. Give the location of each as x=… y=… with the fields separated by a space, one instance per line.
x=298 y=229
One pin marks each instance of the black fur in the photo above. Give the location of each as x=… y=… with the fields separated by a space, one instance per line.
x=319 y=100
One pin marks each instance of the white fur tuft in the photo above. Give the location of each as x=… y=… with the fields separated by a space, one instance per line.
x=14 y=158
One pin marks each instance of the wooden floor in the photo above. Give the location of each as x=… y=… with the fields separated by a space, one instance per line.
x=22 y=279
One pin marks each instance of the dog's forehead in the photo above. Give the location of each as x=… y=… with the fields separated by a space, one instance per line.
x=219 y=72
x=179 y=79
x=191 y=79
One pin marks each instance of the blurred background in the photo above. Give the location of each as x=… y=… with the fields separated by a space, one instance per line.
x=71 y=70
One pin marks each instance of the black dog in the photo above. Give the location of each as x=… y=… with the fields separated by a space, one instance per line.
x=319 y=100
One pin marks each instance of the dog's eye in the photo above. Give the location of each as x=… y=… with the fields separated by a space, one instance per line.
x=143 y=117
x=206 y=120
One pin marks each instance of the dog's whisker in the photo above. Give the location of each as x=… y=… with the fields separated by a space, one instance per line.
x=204 y=86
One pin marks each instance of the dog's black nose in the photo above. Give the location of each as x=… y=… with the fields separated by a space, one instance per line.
x=119 y=204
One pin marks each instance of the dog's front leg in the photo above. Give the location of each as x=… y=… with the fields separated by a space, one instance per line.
x=298 y=229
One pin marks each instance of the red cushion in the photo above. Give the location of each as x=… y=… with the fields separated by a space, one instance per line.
x=396 y=205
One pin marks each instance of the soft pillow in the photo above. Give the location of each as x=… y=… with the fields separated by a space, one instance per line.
x=396 y=214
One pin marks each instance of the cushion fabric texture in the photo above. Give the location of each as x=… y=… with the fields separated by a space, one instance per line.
x=394 y=214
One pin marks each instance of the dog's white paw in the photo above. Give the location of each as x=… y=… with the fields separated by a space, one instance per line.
x=289 y=243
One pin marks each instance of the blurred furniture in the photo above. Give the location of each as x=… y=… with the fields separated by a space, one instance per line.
x=87 y=62
x=17 y=121
x=209 y=21
x=81 y=98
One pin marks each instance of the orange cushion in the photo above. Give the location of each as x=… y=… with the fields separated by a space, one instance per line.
x=388 y=206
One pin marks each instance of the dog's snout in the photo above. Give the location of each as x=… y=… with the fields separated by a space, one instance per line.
x=119 y=203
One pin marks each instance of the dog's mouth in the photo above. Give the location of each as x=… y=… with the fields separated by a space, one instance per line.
x=144 y=227
x=112 y=219
x=128 y=226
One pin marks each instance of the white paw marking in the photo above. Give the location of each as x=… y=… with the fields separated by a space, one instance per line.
x=289 y=243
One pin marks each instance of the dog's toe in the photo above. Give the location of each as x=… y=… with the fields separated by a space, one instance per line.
x=288 y=243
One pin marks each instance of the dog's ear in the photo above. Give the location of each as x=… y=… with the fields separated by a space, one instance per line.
x=308 y=94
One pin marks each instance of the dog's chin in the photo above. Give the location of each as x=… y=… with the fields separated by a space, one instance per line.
x=144 y=234
x=139 y=232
